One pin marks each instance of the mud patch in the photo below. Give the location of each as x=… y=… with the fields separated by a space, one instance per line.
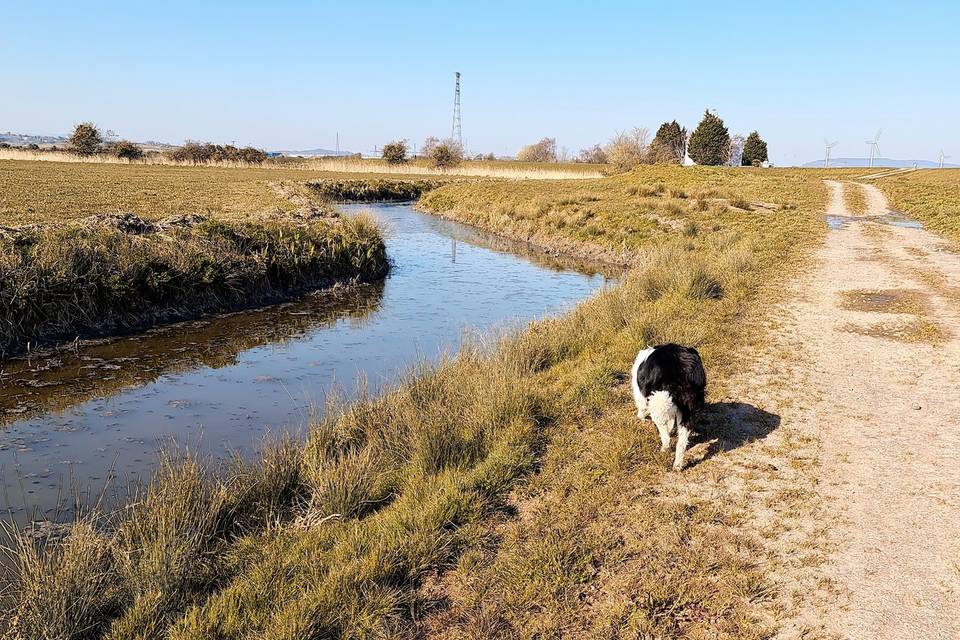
x=912 y=331
x=909 y=301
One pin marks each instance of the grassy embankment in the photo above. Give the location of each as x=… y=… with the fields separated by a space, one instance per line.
x=931 y=196
x=337 y=538
x=63 y=276
x=372 y=190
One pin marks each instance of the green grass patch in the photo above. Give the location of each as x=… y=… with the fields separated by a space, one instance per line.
x=931 y=196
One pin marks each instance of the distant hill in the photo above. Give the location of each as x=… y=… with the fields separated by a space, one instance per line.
x=20 y=139
x=313 y=153
x=880 y=162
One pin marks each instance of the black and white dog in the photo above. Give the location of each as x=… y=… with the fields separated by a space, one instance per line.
x=669 y=384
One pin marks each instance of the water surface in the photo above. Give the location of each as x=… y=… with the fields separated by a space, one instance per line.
x=74 y=419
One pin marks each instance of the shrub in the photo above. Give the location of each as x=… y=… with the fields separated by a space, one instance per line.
x=201 y=153
x=543 y=151
x=395 y=152
x=33 y=146
x=710 y=141
x=754 y=150
x=126 y=149
x=251 y=155
x=446 y=155
x=86 y=139
x=626 y=151
x=669 y=144
x=593 y=155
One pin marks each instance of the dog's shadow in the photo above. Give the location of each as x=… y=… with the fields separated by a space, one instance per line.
x=725 y=426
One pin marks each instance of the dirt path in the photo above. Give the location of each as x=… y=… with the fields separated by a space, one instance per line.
x=862 y=509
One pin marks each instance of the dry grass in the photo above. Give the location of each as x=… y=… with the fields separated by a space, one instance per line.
x=474 y=168
x=32 y=192
x=486 y=168
x=929 y=195
x=915 y=330
x=149 y=159
x=854 y=199
x=336 y=539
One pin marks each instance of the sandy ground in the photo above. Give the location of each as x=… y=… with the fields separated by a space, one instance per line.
x=857 y=493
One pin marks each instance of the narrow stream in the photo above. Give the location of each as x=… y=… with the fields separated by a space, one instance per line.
x=76 y=421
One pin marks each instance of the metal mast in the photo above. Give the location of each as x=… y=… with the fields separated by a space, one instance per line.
x=456 y=131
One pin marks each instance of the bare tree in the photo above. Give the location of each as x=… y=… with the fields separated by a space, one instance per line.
x=592 y=155
x=626 y=150
x=429 y=145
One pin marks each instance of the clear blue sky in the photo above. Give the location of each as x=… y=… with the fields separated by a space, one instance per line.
x=292 y=74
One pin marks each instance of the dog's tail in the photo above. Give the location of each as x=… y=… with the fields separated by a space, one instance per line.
x=663 y=410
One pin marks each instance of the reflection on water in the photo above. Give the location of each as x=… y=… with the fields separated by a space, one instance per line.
x=74 y=417
x=58 y=379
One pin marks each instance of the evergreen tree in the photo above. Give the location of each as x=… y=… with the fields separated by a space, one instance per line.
x=710 y=141
x=754 y=151
x=667 y=145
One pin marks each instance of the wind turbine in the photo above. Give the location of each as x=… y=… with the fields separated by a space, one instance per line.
x=874 y=146
x=943 y=157
x=828 y=146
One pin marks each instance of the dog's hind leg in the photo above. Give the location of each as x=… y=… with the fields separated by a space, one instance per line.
x=641 y=403
x=683 y=437
x=663 y=428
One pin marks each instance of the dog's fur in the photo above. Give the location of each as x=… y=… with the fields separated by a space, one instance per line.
x=669 y=385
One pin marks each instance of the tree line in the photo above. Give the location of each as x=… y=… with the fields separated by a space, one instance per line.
x=709 y=144
x=87 y=140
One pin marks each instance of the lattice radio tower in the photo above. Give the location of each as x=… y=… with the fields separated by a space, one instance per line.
x=456 y=131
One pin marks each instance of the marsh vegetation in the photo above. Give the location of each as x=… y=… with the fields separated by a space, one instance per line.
x=336 y=537
x=109 y=274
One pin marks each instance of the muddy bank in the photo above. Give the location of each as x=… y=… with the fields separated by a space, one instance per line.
x=374 y=190
x=110 y=274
